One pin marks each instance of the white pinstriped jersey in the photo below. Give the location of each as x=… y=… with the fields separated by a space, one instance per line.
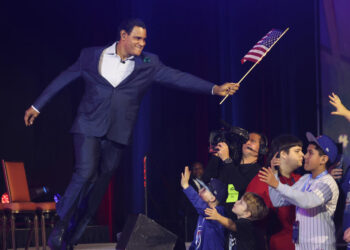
x=315 y=201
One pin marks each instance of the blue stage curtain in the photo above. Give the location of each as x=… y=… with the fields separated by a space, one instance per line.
x=207 y=38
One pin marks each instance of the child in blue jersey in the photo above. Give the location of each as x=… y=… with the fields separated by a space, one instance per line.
x=209 y=235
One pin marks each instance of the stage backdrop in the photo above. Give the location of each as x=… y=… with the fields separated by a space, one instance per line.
x=207 y=38
x=335 y=69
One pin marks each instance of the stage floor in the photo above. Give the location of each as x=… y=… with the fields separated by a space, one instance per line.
x=95 y=246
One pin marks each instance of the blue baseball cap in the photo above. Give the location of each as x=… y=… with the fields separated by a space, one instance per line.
x=216 y=187
x=326 y=144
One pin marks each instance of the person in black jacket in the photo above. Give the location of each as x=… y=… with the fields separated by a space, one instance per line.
x=237 y=176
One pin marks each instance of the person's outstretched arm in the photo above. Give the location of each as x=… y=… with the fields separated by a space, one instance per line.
x=341 y=110
x=267 y=176
x=226 y=222
x=175 y=78
x=191 y=194
x=62 y=80
x=321 y=193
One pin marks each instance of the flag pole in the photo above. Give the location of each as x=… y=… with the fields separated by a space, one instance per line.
x=284 y=32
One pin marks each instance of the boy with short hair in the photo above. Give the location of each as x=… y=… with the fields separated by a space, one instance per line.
x=286 y=153
x=209 y=235
x=249 y=208
x=315 y=196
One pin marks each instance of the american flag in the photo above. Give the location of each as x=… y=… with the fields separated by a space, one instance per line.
x=260 y=49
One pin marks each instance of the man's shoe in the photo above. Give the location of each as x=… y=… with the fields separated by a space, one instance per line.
x=56 y=239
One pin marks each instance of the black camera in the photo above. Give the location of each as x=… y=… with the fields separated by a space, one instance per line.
x=234 y=137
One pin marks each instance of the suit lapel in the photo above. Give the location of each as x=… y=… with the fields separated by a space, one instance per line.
x=138 y=63
x=97 y=64
x=97 y=60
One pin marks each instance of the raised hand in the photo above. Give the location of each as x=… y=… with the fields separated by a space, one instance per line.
x=341 y=110
x=275 y=161
x=185 y=177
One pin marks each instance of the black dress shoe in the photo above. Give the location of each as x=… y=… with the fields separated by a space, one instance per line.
x=56 y=239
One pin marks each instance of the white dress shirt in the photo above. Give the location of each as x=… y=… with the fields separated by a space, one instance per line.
x=113 y=68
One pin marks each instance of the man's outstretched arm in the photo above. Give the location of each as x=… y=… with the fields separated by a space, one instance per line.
x=63 y=79
x=188 y=82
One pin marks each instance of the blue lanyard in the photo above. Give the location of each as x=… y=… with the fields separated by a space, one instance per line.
x=308 y=180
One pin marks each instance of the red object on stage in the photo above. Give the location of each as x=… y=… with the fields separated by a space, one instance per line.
x=5 y=198
x=144 y=172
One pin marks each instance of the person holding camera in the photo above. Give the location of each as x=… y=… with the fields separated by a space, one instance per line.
x=236 y=166
x=237 y=156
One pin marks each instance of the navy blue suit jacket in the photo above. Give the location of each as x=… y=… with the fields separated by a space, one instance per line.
x=112 y=111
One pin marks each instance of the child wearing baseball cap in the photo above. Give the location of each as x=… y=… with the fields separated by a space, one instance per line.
x=209 y=235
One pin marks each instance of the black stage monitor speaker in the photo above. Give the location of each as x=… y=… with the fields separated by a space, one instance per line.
x=140 y=232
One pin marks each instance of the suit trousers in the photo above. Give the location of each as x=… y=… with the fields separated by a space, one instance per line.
x=96 y=159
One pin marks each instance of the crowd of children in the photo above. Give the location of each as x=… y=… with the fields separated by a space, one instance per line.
x=279 y=209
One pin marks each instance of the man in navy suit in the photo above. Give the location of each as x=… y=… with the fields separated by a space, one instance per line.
x=116 y=78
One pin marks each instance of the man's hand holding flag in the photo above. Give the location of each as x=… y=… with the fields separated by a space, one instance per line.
x=260 y=49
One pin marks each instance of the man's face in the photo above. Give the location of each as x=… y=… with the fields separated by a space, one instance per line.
x=197 y=170
x=135 y=41
x=251 y=147
x=294 y=158
x=240 y=208
x=313 y=159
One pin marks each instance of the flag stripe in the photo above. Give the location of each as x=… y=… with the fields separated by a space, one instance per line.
x=261 y=47
x=252 y=58
x=256 y=52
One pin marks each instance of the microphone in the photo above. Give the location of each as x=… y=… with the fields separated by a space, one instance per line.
x=252 y=150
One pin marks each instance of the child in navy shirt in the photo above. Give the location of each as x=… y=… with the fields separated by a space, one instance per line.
x=209 y=235
x=242 y=235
